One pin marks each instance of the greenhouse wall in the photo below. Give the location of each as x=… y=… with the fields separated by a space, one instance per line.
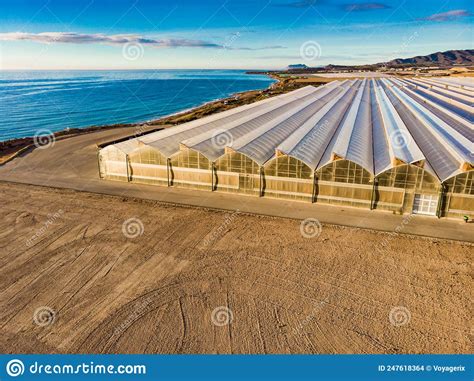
x=459 y=195
x=403 y=189
x=113 y=164
x=289 y=178
x=235 y=172
x=148 y=166
x=191 y=169
x=344 y=182
x=396 y=188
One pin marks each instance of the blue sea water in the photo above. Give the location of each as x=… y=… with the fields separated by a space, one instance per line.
x=31 y=101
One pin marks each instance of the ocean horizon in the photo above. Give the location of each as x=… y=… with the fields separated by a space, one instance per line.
x=33 y=102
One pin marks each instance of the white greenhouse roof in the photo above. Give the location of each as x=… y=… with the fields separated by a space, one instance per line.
x=376 y=123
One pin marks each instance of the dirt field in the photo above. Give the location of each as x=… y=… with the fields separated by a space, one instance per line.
x=77 y=278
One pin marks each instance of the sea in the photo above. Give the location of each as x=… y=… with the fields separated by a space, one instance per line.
x=37 y=102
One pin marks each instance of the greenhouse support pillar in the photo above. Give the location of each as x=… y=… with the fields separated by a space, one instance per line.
x=128 y=167
x=372 y=196
x=315 y=185
x=439 y=208
x=260 y=184
x=168 y=171
x=212 y=176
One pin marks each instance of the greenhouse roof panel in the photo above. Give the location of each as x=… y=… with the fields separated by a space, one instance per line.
x=260 y=144
x=167 y=141
x=212 y=143
x=310 y=141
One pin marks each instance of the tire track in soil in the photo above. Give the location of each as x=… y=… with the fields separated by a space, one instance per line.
x=156 y=293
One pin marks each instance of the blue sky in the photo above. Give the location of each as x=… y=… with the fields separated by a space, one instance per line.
x=120 y=34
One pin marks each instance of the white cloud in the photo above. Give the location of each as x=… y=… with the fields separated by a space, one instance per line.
x=448 y=16
x=118 y=39
x=361 y=7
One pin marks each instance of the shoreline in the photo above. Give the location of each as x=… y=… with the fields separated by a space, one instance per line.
x=9 y=149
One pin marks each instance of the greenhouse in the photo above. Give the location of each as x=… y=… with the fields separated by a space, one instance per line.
x=403 y=145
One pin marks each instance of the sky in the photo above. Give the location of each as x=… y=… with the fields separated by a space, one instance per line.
x=219 y=34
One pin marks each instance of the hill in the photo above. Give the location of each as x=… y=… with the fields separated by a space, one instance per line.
x=445 y=59
x=448 y=58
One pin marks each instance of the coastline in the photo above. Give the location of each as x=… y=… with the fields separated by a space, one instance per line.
x=9 y=149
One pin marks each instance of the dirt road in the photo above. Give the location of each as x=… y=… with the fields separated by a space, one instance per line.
x=83 y=272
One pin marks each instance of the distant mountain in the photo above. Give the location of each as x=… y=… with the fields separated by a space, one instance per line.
x=448 y=58
x=297 y=66
x=440 y=59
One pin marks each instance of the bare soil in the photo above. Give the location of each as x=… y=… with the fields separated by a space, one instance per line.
x=202 y=281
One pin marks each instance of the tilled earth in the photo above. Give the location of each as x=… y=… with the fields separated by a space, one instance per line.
x=88 y=273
